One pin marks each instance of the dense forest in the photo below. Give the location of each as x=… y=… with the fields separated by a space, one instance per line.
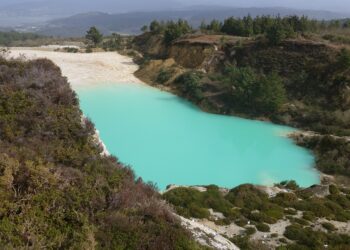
x=57 y=191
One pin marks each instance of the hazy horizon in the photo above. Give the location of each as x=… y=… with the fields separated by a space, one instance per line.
x=36 y=12
x=131 y=5
x=326 y=5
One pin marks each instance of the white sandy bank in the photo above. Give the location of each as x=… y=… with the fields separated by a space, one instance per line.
x=86 y=69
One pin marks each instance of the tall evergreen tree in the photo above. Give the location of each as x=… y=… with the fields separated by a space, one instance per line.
x=94 y=36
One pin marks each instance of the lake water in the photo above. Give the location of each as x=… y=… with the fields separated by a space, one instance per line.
x=167 y=140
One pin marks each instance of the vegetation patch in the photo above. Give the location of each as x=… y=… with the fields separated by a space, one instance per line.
x=164 y=75
x=56 y=189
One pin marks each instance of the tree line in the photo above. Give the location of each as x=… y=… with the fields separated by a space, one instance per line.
x=275 y=28
x=8 y=37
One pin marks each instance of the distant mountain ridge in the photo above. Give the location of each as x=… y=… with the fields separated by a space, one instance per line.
x=20 y=12
x=130 y=23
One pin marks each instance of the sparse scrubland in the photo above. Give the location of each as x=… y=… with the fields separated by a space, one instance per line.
x=311 y=218
x=56 y=189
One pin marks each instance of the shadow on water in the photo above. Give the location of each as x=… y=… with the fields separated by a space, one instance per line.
x=175 y=99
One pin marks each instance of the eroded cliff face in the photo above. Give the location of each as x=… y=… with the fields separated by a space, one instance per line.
x=150 y=71
x=197 y=52
x=289 y=57
x=150 y=45
x=201 y=52
x=193 y=56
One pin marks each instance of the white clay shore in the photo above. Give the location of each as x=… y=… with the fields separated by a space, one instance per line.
x=83 y=69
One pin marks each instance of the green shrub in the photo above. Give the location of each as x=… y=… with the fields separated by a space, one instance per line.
x=305 y=236
x=164 y=76
x=223 y=222
x=263 y=227
x=302 y=222
x=241 y=222
x=310 y=216
x=252 y=92
x=292 y=185
x=283 y=240
x=193 y=203
x=250 y=230
x=274 y=212
x=333 y=190
x=329 y=226
x=247 y=196
x=241 y=242
x=198 y=212
x=290 y=211
x=71 y=50
x=190 y=83
x=175 y=30
x=294 y=232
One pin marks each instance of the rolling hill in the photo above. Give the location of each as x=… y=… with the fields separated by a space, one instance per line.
x=130 y=23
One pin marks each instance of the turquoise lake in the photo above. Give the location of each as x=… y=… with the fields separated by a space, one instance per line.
x=167 y=140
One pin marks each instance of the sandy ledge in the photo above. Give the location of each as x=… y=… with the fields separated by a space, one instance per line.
x=84 y=69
